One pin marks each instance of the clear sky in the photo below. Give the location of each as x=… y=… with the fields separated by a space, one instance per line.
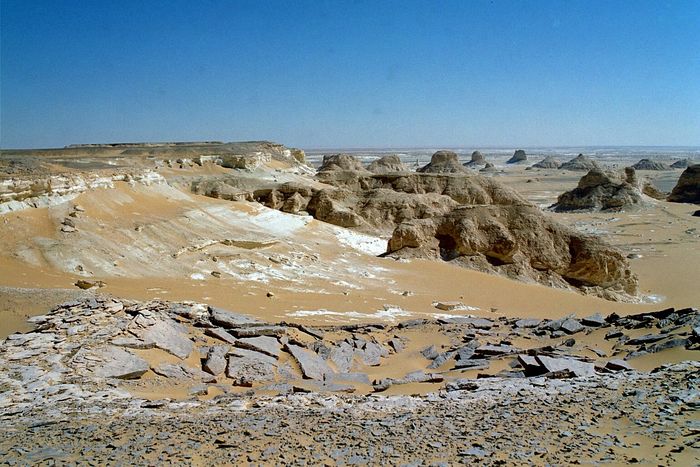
x=338 y=73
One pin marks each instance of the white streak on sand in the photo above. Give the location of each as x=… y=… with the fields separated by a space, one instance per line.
x=389 y=313
x=367 y=244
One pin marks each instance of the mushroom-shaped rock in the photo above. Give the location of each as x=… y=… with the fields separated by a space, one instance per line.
x=443 y=162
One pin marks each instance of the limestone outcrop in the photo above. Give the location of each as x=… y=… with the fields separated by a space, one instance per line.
x=520 y=242
x=472 y=220
x=548 y=162
x=518 y=156
x=387 y=164
x=477 y=159
x=681 y=164
x=580 y=162
x=687 y=190
x=443 y=162
x=340 y=162
x=648 y=164
x=601 y=190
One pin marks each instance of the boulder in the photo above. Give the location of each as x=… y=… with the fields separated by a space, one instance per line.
x=215 y=362
x=387 y=164
x=443 y=162
x=648 y=164
x=580 y=162
x=548 y=162
x=518 y=156
x=687 y=190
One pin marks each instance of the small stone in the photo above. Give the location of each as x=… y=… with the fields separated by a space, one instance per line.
x=618 y=365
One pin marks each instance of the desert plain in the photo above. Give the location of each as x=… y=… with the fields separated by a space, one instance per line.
x=206 y=303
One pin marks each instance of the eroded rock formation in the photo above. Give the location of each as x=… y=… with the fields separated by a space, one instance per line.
x=518 y=156
x=340 y=162
x=443 y=162
x=548 y=162
x=469 y=219
x=580 y=162
x=607 y=191
x=687 y=190
x=477 y=159
x=387 y=164
x=648 y=164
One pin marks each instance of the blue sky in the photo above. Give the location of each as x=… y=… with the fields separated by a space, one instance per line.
x=351 y=74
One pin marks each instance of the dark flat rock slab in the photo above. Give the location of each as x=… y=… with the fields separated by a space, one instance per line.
x=312 y=365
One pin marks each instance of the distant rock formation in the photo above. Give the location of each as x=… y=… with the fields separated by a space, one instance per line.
x=518 y=156
x=548 y=162
x=606 y=191
x=387 y=164
x=470 y=219
x=340 y=162
x=443 y=162
x=477 y=160
x=580 y=162
x=489 y=168
x=648 y=164
x=681 y=164
x=687 y=190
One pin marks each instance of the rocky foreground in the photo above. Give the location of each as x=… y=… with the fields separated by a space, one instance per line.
x=111 y=380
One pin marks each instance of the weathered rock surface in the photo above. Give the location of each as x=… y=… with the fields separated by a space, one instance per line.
x=216 y=360
x=112 y=362
x=681 y=164
x=648 y=164
x=518 y=156
x=517 y=241
x=340 y=162
x=246 y=371
x=312 y=365
x=580 y=162
x=387 y=164
x=687 y=190
x=477 y=159
x=548 y=162
x=164 y=334
x=607 y=191
x=443 y=162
